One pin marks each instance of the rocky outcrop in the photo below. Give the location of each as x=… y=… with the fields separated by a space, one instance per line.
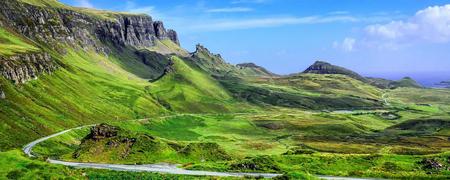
x=321 y=67
x=431 y=164
x=68 y=25
x=212 y=63
x=200 y=49
x=23 y=67
x=173 y=36
x=2 y=94
x=103 y=131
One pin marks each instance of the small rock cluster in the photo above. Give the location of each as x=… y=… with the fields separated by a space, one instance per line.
x=2 y=94
x=103 y=131
x=431 y=164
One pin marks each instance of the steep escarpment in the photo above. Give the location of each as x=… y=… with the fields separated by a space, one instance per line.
x=69 y=25
x=61 y=26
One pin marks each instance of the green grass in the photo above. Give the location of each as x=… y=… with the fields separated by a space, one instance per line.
x=328 y=92
x=91 y=88
x=189 y=89
x=11 y=44
x=102 y=14
x=167 y=46
x=286 y=124
x=14 y=165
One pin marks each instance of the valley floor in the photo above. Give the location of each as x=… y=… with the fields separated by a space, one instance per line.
x=286 y=142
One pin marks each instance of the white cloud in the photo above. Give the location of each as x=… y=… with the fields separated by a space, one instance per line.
x=428 y=25
x=146 y=9
x=229 y=10
x=233 y=24
x=346 y=45
x=339 y=12
x=84 y=3
x=249 y=1
x=150 y=10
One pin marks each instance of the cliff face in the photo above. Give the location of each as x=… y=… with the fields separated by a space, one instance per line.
x=22 y=67
x=55 y=26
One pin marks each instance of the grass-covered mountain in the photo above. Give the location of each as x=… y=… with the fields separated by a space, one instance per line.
x=63 y=67
x=322 y=67
x=391 y=84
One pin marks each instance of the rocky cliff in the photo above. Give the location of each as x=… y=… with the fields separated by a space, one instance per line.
x=22 y=67
x=212 y=63
x=55 y=27
x=69 y=25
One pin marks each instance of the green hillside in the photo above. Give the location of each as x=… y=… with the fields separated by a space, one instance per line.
x=187 y=89
x=11 y=44
x=91 y=88
x=151 y=101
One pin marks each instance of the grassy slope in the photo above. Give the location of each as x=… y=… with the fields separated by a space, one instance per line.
x=168 y=47
x=242 y=135
x=188 y=89
x=310 y=91
x=10 y=44
x=102 y=14
x=91 y=88
x=16 y=166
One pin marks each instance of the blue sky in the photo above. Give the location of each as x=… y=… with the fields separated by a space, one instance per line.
x=373 y=37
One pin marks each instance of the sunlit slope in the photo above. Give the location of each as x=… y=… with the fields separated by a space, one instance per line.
x=90 y=88
x=185 y=88
x=10 y=44
x=309 y=91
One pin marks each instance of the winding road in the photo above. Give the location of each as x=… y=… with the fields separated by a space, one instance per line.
x=156 y=168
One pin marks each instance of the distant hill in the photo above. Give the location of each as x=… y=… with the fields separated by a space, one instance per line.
x=254 y=70
x=216 y=65
x=321 y=67
x=390 y=84
x=445 y=84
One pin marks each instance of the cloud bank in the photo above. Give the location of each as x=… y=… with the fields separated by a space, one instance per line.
x=428 y=25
